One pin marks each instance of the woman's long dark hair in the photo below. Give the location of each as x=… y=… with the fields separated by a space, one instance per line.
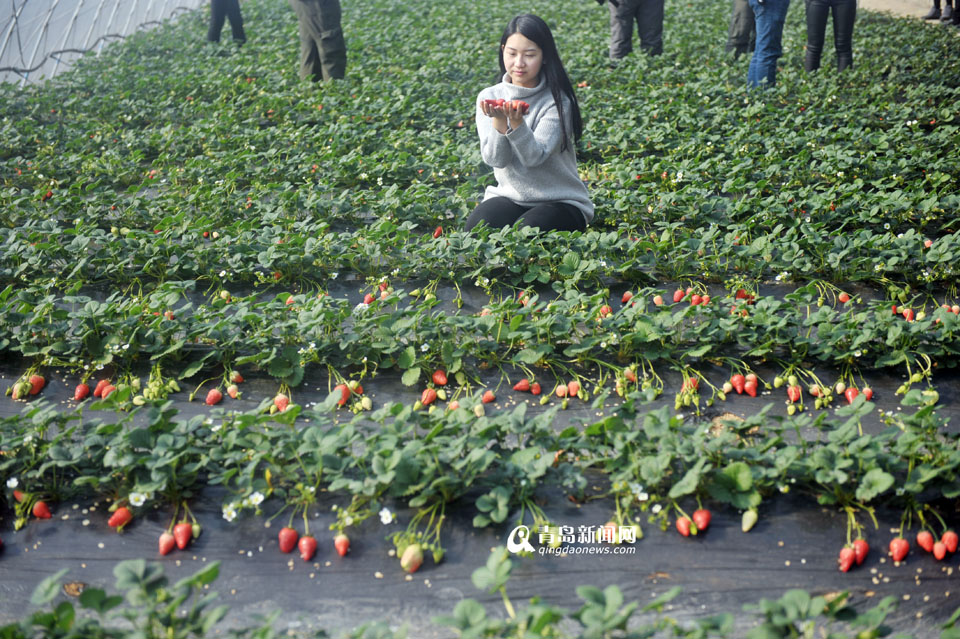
x=536 y=30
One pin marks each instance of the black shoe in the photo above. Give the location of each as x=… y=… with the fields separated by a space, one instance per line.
x=933 y=15
x=947 y=14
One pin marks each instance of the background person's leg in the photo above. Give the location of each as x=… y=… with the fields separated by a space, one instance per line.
x=236 y=20
x=650 y=26
x=621 y=29
x=741 y=34
x=217 y=15
x=817 y=14
x=844 y=15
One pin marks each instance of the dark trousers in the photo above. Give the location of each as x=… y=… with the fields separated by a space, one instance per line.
x=844 y=15
x=499 y=212
x=221 y=10
x=742 y=35
x=323 y=52
x=648 y=14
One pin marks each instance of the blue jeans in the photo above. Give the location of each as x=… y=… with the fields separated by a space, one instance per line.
x=770 y=17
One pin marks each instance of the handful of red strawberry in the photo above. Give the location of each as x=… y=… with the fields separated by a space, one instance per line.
x=500 y=103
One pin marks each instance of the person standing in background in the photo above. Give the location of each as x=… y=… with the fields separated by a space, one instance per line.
x=742 y=36
x=844 y=15
x=323 y=52
x=648 y=15
x=221 y=10
x=769 y=18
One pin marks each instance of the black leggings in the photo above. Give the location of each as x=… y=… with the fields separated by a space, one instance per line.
x=499 y=212
x=844 y=14
x=221 y=10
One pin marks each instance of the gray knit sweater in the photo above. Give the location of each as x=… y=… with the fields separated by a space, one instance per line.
x=529 y=166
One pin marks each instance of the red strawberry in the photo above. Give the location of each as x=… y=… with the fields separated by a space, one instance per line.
x=683 y=526
x=344 y=394
x=738 y=382
x=412 y=558
x=705 y=300
x=288 y=539
x=894 y=309
x=691 y=383
x=695 y=300
x=98 y=390
x=658 y=300
x=868 y=393
x=860 y=550
x=437 y=232
x=488 y=397
x=939 y=551
x=627 y=296
x=37 y=382
x=213 y=396
x=793 y=392
x=120 y=518
x=605 y=310
x=701 y=518
x=428 y=396
x=166 y=542
x=925 y=540
x=307 y=546
x=236 y=377
x=368 y=298
x=927 y=243
x=851 y=394
x=844 y=298
x=281 y=401
x=41 y=510
x=290 y=300
x=908 y=314
x=535 y=388
x=182 y=533
x=678 y=295
x=899 y=547
x=81 y=392
x=573 y=388
x=440 y=377
x=18 y=495
x=630 y=375
x=523 y=385
x=561 y=391
x=741 y=294
x=751 y=388
x=342 y=543
x=847 y=558
x=109 y=388
x=949 y=540
x=233 y=391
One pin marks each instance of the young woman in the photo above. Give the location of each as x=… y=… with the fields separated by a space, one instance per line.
x=529 y=124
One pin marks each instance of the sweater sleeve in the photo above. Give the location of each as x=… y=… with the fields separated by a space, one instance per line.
x=532 y=148
x=494 y=147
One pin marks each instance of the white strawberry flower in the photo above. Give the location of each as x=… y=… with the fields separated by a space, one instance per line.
x=256 y=498
x=386 y=517
x=138 y=499
x=13 y=482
